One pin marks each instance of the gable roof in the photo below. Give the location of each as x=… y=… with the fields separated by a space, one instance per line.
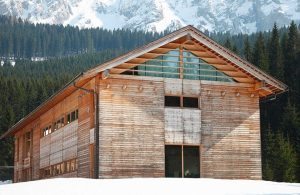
x=188 y=33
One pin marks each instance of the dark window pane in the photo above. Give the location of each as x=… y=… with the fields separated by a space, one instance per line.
x=190 y=102
x=172 y=101
x=73 y=116
x=69 y=118
x=191 y=161
x=173 y=165
x=76 y=114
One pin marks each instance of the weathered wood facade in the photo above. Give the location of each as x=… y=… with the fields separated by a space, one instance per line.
x=181 y=106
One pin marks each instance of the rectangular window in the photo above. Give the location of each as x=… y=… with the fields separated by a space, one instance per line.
x=27 y=144
x=190 y=102
x=46 y=131
x=187 y=102
x=69 y=118
x=59 y=123
x=173 y=161
x=67 y=166
x=17 y=148
x=191 y=161
x=72 y=116
x=73 y=165
x=182 y=161
x=172 y=101
x=76 y=114
x=62 y=168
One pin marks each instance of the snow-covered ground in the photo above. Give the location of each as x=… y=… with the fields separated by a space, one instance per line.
x=5 y=182
x=79 y=186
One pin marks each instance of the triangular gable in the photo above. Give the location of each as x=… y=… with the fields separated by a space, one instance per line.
x=214 y=54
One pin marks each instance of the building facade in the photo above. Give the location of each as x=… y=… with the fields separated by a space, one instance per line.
x=181 y=106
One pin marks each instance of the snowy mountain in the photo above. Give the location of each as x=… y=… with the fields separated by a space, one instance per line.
x=157 y=15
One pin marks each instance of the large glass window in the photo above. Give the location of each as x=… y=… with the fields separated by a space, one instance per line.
x=173 y=161
x=168 y=65
x=195 y=68
x=182 y=161
x=191 y=161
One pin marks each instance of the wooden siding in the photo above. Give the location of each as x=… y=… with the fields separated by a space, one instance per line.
x=131 y=128
x=230 y=133
x=86 y=122
x=54 y=148
x=135 y=126
x=59 y=146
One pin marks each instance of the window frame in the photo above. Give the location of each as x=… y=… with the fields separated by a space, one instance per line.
x=181 y=101
x=182 y=157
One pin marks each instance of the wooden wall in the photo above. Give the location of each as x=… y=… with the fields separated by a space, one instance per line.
x=54 y=148
x=135 y=126
x=230 y=133
x=131 y=128
x=86 y=123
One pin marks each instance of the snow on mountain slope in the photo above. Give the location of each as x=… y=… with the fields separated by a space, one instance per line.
x=157 y=15
x=174 y=186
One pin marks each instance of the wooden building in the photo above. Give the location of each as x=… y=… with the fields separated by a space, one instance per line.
x=181 y=106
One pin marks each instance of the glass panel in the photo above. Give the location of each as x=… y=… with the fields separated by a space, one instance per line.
x=166 y=65
x=172 y=101
x=173 y=165
x=190 y=102
x=191 y=161
x=73 y=116
x=195 y=68
x=154 y=67
x=191 y=66
x=69 y=118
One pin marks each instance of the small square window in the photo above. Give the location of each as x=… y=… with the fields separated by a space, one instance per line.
x=172 y=101
x=190 y=102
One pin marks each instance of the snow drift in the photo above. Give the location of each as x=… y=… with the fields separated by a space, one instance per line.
x=174 y=186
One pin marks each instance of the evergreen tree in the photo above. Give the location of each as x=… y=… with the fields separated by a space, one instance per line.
x=291 y=66
x=275 y=57
x=259 y=53
x=247 y=50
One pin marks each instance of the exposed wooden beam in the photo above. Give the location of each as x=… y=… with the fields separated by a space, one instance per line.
x=243 y=80
x=235 y=74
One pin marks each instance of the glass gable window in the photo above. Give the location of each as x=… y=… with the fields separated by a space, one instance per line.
x=195 y=68
x=168 y=65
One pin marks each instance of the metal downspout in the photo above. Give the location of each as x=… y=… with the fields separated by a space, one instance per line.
x=96 y=131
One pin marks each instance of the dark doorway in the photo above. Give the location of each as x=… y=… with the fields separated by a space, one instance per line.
x=173 y=161
x=182 y=161
x=191 y=161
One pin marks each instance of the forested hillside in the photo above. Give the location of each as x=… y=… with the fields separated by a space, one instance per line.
x=20 y=39
x=70 y=51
